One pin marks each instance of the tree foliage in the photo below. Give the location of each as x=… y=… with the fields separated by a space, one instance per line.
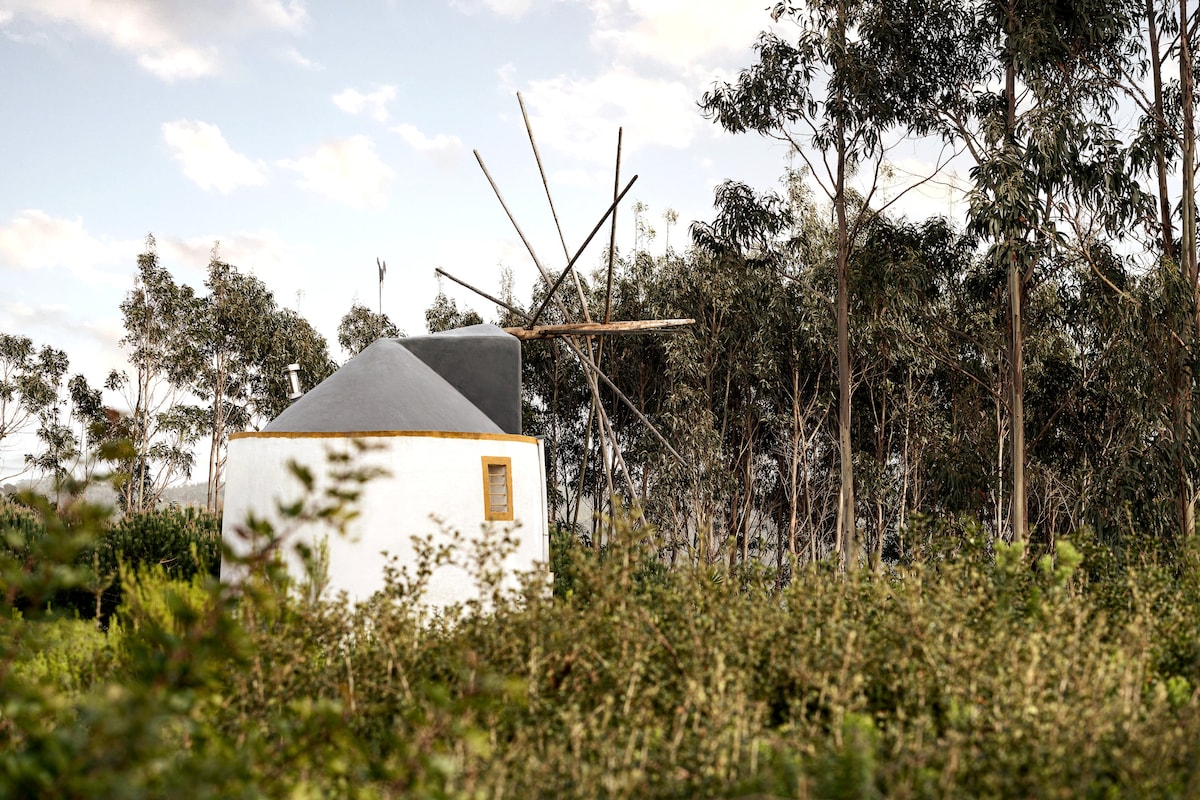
x=30 y=381
x=361 y=326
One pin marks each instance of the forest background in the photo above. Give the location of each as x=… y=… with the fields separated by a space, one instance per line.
x=930 y=531
x=850 y=369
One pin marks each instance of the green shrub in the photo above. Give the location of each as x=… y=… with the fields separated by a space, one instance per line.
x=184 y=542
x=64 y=654
x=981 y=671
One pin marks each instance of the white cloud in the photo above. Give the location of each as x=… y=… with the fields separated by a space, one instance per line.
x=208 y=160
x=34 y=240
x=63 y=326
x=5 y=16
x=587 y=178
x=443 y=148
x=677 y=32
x=180 y=62
x=264 y=253
x=509 y=8
x=579 y=117
x=505 y=8
x=346 y=171
x=294 y=56
x=374 y=103
x=168 y=38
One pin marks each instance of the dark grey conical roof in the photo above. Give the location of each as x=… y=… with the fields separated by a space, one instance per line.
x=483 y=363
x=386 y=387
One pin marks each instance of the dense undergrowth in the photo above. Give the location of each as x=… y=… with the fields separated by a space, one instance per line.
x=182 y=541
x=981 y=671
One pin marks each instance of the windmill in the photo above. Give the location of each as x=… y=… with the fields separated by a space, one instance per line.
x=582 y=335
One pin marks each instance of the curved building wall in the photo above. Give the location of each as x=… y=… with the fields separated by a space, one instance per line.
x=435 y=483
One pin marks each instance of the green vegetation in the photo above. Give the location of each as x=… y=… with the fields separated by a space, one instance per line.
x=997 y=419
x=182 y=543
x=973 y=671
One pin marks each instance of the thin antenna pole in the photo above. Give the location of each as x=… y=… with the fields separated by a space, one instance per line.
x=612 y=245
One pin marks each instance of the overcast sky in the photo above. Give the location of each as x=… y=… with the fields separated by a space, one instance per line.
x=310 y=138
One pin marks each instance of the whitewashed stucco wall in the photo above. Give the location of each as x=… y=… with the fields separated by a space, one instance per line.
x=429 y=475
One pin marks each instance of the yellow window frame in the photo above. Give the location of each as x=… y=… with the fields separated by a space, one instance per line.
x=492 y=510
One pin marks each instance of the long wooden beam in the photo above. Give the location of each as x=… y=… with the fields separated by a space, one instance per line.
x=600 y=328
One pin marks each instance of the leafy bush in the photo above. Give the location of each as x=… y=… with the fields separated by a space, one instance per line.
x=184 y=542
x=981 y=672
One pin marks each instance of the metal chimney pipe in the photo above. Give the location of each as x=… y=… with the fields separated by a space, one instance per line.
x=293 y=373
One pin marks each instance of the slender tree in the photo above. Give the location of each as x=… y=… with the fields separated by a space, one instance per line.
x=230 y=331
x=850 y=77
x=162 y=432
x=30 y=380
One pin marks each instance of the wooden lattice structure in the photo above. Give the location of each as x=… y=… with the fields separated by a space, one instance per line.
x=582 y=335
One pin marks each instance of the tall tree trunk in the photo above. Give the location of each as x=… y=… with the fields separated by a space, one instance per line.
x=847 y=522
x=882 y=436
x=143 y=406
x=793 y=462
x=1188 y=263
x=847 y=529
x=1017 y=402
x=749 y=489
x=218 y=432
x=1016 y=331
x=1160 y=155
x=1187 y=253
x=554 y=489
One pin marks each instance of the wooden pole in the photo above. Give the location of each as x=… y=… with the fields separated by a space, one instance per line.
x=612 y=236
x=579 y=252
x=626 y=327
x=529 y=247
x=496 y=190
x=550 y=294
x=554 y=213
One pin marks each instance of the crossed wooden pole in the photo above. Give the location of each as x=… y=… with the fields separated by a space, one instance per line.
x=578 y=335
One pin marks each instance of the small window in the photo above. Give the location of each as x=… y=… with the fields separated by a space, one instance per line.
x=497 y=488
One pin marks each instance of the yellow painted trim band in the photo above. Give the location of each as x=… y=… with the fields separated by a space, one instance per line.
x=484 y=437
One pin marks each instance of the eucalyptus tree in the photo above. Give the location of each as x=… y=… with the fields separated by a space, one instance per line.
x=89 y=411
x=444 y=314
x=30 y=380
x=857 y=70
x=361 y=326
x=242 y=344
x=758 y=294
x=1029 y=108
x=228 y=336
x=157 y=314
x=58 y=449
x=1188 y=240
x=290 y=339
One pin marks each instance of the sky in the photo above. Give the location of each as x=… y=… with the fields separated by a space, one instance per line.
x=310 y=138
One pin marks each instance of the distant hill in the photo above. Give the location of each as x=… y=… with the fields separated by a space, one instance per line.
x=191 y=494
